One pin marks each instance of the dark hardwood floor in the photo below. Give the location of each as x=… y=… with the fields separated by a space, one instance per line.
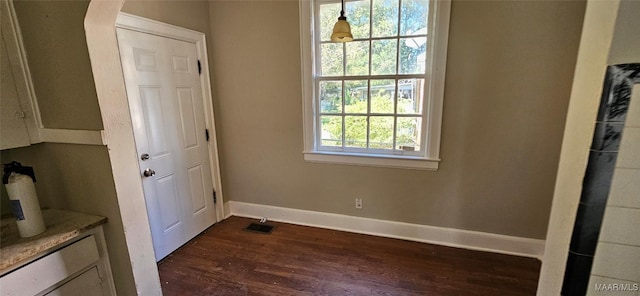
x=299 y=260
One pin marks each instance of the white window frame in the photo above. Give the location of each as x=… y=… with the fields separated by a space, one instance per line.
x=429 y=158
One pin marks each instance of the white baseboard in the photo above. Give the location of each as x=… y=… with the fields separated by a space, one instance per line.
x=227 y=209
x=465 y=239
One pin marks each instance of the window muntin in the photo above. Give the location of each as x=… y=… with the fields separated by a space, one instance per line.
x=370 y=93
x=425 y=113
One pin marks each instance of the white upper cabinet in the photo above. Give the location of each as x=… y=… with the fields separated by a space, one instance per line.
x=14 y=131
x=19 y=112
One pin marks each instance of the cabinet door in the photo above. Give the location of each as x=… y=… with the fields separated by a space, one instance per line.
x=13 y=129
x=46 y=272
x=87 y=283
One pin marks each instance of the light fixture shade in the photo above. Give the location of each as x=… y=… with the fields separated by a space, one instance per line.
x=342 y=31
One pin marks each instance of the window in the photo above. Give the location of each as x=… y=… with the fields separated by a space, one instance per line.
x=377 y=100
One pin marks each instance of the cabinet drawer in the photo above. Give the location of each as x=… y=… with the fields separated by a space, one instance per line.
x=87 y=283
x=51 y=269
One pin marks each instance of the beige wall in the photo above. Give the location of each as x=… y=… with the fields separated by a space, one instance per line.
x=508 y=80
x=189 y=14
x=625 y=47
x=78 y=178
x=73 y=177
x=54 y=39
x=509 y=70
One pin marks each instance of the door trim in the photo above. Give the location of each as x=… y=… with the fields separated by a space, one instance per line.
x=99 y=24
x=102 y=43
x=145 y=25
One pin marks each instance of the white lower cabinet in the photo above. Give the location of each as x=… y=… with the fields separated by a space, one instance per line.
x=79 y=268
x=87 y=283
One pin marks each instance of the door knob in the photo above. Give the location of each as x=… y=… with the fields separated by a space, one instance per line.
x=149 y=172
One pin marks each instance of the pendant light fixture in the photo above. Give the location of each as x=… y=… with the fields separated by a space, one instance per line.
x=342 y=29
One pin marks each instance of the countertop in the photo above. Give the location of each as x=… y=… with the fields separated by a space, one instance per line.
x=62 y=226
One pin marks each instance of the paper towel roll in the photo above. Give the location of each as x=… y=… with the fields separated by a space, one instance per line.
x=25 y=205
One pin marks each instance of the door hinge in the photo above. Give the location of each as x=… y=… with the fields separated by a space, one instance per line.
x=206 y=134
x=215 y=198
x=199 y=68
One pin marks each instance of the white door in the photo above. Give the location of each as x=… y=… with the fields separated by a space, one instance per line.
x=167 y=110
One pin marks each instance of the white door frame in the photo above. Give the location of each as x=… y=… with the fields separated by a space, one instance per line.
x=145 y=25
x=593 y=53
x=104 y=54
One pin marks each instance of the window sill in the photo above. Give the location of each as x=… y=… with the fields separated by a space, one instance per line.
x=402 y=162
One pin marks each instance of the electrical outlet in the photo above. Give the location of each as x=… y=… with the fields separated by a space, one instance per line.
x=358 y=203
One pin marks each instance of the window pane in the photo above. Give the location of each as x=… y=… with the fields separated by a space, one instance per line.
x=329 y=14
x=383 y=56
x=331 y=130
x=410 y=94
x=355 y=131
x=383 y=95
x=331 y=96
x=385 y=18
x=357 y=13
x=413 y=53
x=357 y=58
x=413 y=17
x=331 y=59
x=381 y=132
x=355 y=96
x=408 y=133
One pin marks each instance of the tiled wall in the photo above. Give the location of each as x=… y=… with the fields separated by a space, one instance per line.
x=612 y=185
x=617 y=259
